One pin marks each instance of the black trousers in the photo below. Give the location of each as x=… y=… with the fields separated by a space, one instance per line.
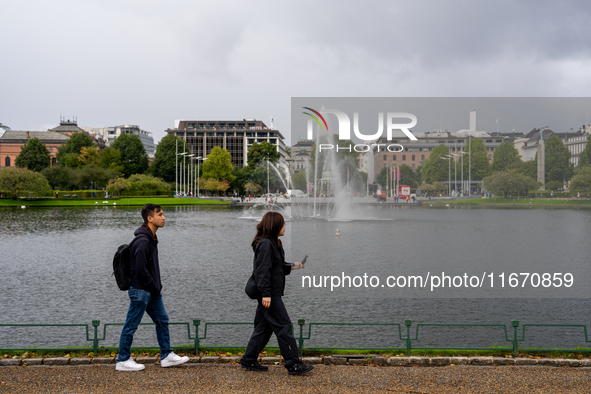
x=269 y=321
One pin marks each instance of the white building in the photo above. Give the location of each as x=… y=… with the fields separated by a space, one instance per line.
x=109 y=134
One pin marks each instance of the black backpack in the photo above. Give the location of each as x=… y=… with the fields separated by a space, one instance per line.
x=122 y=264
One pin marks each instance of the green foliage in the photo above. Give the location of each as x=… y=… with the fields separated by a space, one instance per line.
x=259 y=176
x=218 y=165
x=480 y=166
x=65 y=178
x=23 y=183
x=554 y=185
x=260 y=153
x=241 y=176
x=435 y=169
x=138 y=185
x=299 y=180
x=508 y=182
x=214 y=186
x=252 y=188
x=34 y=156
x=383 y=177
x=133 y=154
x=117 y=185
x=111 y=159
x=558 y=167
x=581 y=181
x=585 y=155
x=408 y=176
x=164 y=159
x=68 y=153
x=89 y=156
x=59 y=176
x=506 y=156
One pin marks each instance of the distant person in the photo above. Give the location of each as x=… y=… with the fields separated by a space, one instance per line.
x=144 y=294
x=271 y=316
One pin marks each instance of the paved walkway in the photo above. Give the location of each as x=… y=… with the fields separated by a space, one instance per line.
x=220 y=378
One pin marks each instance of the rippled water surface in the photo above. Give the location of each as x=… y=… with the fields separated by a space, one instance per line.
x=56 y=266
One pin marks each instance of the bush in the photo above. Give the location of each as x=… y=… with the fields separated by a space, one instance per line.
x=138 y=185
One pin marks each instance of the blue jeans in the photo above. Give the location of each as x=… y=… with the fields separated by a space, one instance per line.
x=142 y=301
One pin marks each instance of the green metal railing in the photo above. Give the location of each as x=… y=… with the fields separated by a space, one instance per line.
x=407 y=340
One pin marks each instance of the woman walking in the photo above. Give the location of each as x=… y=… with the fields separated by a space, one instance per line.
x=271 y=316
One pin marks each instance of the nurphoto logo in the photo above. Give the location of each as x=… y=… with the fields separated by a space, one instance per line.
x=344 y=131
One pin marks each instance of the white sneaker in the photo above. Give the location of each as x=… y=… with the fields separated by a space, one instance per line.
x=172 y=360
x=129 y=365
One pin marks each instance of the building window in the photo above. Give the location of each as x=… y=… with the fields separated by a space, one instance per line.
x=394 y=157
x=239 y=134
x=413 y=165
x=211 y=134
x=385 y=158
x=403 y=157
x=422 y=157
x=489 y=141
x=7 y=161
x=413 y=158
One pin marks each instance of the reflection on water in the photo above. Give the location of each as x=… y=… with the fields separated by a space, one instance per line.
x=56 y=266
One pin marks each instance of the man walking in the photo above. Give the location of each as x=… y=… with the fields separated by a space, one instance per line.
x=144 y=294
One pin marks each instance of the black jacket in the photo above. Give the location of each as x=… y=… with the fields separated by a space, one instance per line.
x=145 y=270
x=269 y=268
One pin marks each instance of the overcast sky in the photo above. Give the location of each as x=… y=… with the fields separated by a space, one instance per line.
x=151 y=62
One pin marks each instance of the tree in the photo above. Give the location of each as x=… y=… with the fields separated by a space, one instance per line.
x=59 y=176
x=260 y=153
x=479 y=164
x=585 y=155
x=259 y=176
x=34 y=156
x=111 y=159
x=87 y=174
x=435 y=169
x=407 y=176
x=299 y=180
x=164 y=165
x=89 y=156
x=252 y=188
x=218 y=165
x=20 y=182
x=558 y=166
x=383 y=177
x=115 y=186
x=73 y=147
x=133 y=154
x=241 y=176
x=215 y=185
x=506 y=155
x=581 y=181
x=508 y=182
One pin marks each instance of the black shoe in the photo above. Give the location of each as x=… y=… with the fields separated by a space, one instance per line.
x=254 y=366
x=299 y=369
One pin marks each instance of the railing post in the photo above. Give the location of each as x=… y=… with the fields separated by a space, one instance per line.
x=408 y=323
x=196 y=323
x=301 y=323
x=515 y=324
x=95 y=324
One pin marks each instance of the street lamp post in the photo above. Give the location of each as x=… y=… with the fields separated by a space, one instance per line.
x=190 y=168
x=181 y=172
x=199 y=159
x=448 y=158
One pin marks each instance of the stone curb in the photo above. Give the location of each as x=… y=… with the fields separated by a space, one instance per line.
x=327 y=360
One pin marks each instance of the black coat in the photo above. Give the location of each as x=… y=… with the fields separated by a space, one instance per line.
x=269 y=267
x=145 y=270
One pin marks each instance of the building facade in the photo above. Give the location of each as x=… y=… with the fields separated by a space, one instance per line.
x=236 y=136
x=12 y=141
x=110 y=134
x=300 y=155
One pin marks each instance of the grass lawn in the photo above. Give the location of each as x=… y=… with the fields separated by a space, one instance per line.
x=521 y=201
x=138 y=201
